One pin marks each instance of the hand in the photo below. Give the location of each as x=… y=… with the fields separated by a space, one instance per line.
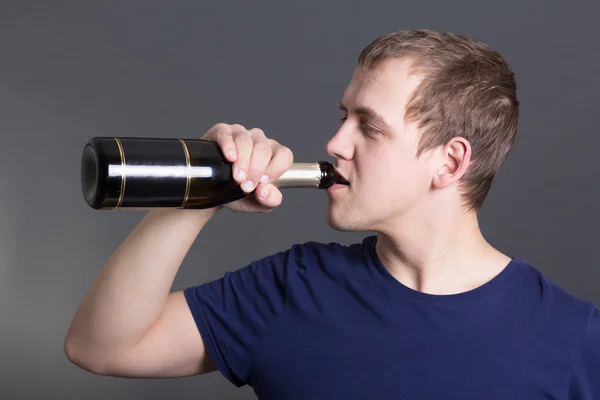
x=257 y=161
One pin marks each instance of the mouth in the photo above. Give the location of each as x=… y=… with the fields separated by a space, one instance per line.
x=341 y=180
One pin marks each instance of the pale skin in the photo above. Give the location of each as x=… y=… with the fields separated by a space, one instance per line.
x=129 y=323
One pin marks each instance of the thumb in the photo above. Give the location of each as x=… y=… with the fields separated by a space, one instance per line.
x=268 y=196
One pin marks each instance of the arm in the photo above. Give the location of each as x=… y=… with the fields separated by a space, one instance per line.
x=129 y=310
x=129 y=324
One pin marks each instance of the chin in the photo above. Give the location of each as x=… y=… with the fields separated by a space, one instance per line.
x=343 y=221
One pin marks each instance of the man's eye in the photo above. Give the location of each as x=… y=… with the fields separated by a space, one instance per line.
x=368 y=128
x=364 y=126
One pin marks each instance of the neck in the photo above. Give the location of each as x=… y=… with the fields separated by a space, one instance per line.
x=443 y=253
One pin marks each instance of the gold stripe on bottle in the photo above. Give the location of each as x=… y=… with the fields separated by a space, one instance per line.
x=123 y=174
x=189 y=177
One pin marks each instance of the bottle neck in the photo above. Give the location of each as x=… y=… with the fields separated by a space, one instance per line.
x=306 y=175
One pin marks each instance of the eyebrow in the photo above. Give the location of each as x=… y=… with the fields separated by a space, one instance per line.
x=370 y=114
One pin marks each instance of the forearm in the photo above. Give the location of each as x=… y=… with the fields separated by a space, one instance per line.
x=128 y=295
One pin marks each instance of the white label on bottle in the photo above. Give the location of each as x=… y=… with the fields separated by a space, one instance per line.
x=151 y=171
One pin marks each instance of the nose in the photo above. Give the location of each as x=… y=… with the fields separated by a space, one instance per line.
x=340 y=145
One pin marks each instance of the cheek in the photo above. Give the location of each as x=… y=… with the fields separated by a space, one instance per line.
x=381 y=177
x=391 y=179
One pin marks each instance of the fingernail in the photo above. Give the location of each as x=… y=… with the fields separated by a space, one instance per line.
x=240 y=175
x=230 y=154
x=263 y=193
x=248 y=186
x=264 y=179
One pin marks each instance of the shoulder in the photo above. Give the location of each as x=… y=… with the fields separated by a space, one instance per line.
x=310 y=256
x=311 y=253
x=592 y=337
x=585 y=367
x=568 y=322
x=315 y=260
x=563 y=312
x=330 y=258
x=553 y=297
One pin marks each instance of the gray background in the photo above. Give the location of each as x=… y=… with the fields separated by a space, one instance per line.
x=73 y=70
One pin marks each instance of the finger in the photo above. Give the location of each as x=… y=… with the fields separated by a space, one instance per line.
x=260 y=158
x=281 y=160
x=222 y=135
x=268 y=196
x=211 y=132
x=225 y=140
x=243 y=146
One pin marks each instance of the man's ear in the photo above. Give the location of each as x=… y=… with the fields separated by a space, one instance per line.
x=455 y=157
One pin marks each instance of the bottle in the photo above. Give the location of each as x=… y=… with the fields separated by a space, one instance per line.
x=146 y=173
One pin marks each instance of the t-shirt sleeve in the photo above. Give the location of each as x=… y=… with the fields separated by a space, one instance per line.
x=585 y=374
x=235 y=312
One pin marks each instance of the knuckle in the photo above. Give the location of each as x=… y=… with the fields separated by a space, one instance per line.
x=222 y=133
x=219 y=126
x=238 y=127
x=262 y=148
x=213 y=131
x=258 y=132
x=286 y=153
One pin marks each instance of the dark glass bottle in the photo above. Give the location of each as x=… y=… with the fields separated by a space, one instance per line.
x=146 y=173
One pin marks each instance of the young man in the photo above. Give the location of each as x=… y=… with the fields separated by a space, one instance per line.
x=425 y=309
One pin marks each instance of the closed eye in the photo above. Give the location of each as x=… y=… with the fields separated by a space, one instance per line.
x=364 y=126
x=368 y=129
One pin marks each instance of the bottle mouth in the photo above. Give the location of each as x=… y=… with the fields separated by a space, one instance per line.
x=339 y=179
x=90 y=174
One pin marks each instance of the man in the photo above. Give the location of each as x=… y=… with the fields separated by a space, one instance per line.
x=424 y=309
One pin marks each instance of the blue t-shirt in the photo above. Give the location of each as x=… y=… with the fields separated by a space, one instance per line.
x=327 y=321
